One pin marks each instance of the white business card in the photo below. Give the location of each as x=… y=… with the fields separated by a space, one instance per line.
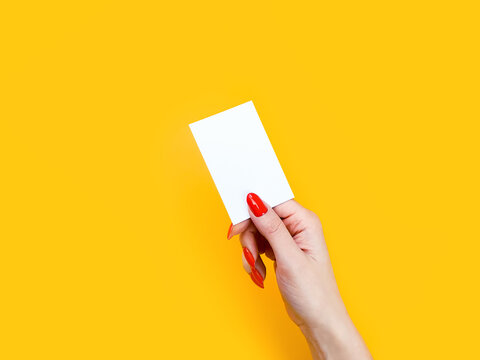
x=241 y=159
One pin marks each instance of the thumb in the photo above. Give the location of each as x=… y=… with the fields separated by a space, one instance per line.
x=269 y=224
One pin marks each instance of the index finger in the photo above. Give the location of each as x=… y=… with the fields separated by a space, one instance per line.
x=238 y=228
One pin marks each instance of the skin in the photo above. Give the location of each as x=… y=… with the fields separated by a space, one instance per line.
x=292 y=237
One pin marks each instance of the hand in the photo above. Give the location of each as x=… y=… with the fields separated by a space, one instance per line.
x=292 y=237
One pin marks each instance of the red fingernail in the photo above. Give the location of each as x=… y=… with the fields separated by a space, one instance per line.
x=249 y=257
x=229 y=231
x=256 y=277
x=256 y=205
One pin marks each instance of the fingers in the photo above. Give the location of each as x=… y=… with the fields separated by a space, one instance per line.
x=248 y=240
x=238 y=228
x=270 y=254
x=259 y=265
x=252 y=262
x=289 y=208
x=269 y=224
x=268 y=231
x=283 y=210
x=296 y=218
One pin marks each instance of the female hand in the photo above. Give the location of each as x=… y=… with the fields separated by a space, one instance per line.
x=292 y=237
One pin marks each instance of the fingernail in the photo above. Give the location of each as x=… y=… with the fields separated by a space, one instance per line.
x=254 y=273
x=229 y=231
x=249 y=257
x=256 y=277
x=256 y=205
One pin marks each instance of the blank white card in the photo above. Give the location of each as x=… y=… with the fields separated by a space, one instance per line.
x=241 y=159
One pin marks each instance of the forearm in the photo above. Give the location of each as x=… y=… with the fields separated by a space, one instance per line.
x=339 y=342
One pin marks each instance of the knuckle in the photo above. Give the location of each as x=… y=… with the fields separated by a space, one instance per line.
x=314 y=218
x=273 y=227
x=313 y=215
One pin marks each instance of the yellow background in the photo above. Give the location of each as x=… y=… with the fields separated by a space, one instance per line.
x=112 y=232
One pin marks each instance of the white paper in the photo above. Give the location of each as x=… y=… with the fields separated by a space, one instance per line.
x=241 y=159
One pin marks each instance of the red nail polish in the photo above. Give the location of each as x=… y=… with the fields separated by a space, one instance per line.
x=256 y=205
x=256 y=277
x=249 y=257
x=229 y=231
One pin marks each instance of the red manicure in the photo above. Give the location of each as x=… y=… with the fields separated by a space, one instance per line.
x=249 y=257
x=229 y=231
x=254 y=274
x=256 y=205
x=257 y=277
